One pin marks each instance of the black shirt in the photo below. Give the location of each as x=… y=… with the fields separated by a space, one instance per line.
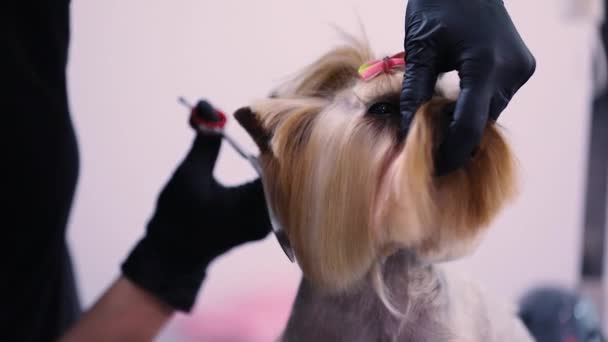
x=41 y=157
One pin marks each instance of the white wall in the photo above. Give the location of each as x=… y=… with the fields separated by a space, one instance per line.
x=129 y=61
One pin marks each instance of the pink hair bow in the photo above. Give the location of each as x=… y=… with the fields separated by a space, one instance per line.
x=382 y=66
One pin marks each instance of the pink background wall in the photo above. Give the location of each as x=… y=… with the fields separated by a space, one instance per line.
x=131 y=59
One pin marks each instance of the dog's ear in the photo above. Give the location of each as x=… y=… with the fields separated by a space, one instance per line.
x=274 y=123
x=253 y=125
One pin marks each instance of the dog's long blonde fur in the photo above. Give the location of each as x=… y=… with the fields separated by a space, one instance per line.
x=352 y=192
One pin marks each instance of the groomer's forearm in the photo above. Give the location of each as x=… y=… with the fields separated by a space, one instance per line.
x=125 y=312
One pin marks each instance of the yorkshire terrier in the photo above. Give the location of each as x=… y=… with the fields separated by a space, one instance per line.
x=366 y=214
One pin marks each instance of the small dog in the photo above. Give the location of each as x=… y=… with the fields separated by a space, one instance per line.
x=367 y=217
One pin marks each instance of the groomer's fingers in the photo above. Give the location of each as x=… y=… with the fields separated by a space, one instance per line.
x=418 y=87
x=466 y=129
x=499 y=102
x=203 y=153
x=205 y=149
x=254 y=212
x=422 y=34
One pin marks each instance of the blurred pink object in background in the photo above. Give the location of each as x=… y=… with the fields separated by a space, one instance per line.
x=251 y=317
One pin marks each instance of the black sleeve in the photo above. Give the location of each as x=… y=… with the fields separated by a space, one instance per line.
x=41 y=160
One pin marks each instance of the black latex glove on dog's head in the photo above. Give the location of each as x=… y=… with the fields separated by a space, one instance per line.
x=196 y=220
x=477 y=38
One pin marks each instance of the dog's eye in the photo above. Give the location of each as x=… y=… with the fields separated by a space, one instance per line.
x=384 y=109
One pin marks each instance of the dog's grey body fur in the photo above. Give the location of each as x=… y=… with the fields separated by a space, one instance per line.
x=437 y=306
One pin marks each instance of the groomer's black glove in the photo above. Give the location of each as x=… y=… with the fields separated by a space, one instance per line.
x=196 y=220
x=477 y=38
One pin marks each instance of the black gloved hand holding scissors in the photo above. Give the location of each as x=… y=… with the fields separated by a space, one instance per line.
x=196 y=220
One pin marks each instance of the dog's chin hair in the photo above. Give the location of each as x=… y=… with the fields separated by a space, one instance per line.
x=350 y=191
x=442 y=217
